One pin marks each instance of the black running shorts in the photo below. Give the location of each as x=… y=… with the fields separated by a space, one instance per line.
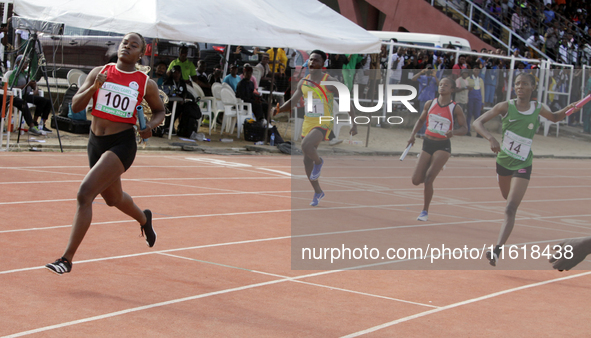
x=523 y=173
x=123 y=144
x=431 y=146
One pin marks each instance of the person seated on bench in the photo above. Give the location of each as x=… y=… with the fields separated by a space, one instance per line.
x=175 y=86
x=245 y=90
x=26 y=82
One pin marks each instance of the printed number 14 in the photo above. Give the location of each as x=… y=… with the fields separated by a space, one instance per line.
x=516 y=149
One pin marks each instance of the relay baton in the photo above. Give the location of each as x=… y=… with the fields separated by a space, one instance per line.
x=141 y=118
x=405 y=152
x=580 y=104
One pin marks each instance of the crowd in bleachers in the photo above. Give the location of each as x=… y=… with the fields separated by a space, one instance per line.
x=558 y=28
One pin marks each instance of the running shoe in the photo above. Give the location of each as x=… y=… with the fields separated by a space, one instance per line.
x=60 y=266
x=147 y=229
x=334 y=142
x=35 y=131
x=316 y=171
x=423 y=216
x=493 y=256
x=316 y=199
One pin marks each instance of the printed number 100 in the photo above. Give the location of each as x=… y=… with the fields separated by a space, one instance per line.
x=117 y=101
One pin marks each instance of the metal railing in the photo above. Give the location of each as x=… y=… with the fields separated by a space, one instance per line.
x=512 y=36
x=543 y=72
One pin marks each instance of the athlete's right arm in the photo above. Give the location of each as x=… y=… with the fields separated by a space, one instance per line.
x=93 y=82
x=498 y=109
x=297 y=95
x=419 y=123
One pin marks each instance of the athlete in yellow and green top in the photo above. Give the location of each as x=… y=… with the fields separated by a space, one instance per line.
x=514 y=155
x=315 y=129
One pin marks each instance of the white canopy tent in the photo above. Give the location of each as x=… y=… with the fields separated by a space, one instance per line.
x=299 y=24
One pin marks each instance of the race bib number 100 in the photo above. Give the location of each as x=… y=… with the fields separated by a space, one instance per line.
x=116 y=100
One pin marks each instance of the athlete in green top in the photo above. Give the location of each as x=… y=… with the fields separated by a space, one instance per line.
x=514 y=156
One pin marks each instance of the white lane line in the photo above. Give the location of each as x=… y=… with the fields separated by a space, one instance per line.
x=454 y=305
x=174 y=301
x=251 y=286
x=302 y=282
x=277 y=171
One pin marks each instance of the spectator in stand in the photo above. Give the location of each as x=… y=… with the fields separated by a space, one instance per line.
x=475 y=97
x=216 y=76
x=240 y=54
x=535 y=41
x=568 y=50
x=253 y=80
x=187 y=66
x=232 y=79
x=549 y=14
x=265 y=71
x=519 y=22
x=337 y=61
x=201 y=78
x=30 y=91
x=396 y=63
x=175 y=86
x=496 y=10
x=280 y=61
x=24 y=108
x=552 y=37
x=160 y=74
x=349 y=69
x=245 y=90
x=462 y=90
x=490 y=81
x=280 y=65
x=456 y=69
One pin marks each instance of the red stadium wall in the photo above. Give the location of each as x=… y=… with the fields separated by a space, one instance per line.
x=417 y=16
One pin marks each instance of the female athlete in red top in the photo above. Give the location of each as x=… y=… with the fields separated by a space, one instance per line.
x=439 y=114
x=116 y=89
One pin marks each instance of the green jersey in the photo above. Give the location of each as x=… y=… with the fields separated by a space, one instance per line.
x=518 y=131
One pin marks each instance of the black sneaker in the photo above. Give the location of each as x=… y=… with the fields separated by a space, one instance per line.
x=493 y=256
x=60 y=266
x=147 y=229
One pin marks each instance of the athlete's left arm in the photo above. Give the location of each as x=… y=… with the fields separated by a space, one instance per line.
x=157 y=107
x=333 y=90
x=458 y=116
x=559 y=115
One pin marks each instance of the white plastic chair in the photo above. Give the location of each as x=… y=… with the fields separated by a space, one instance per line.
x=547 y=123
x=73 y=76
x=218 y=105
x=205 y=104
x=81 y=79
x=225 y=85
x=231 y=108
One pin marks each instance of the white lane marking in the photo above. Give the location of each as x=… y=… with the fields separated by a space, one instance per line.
x=454 y=305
